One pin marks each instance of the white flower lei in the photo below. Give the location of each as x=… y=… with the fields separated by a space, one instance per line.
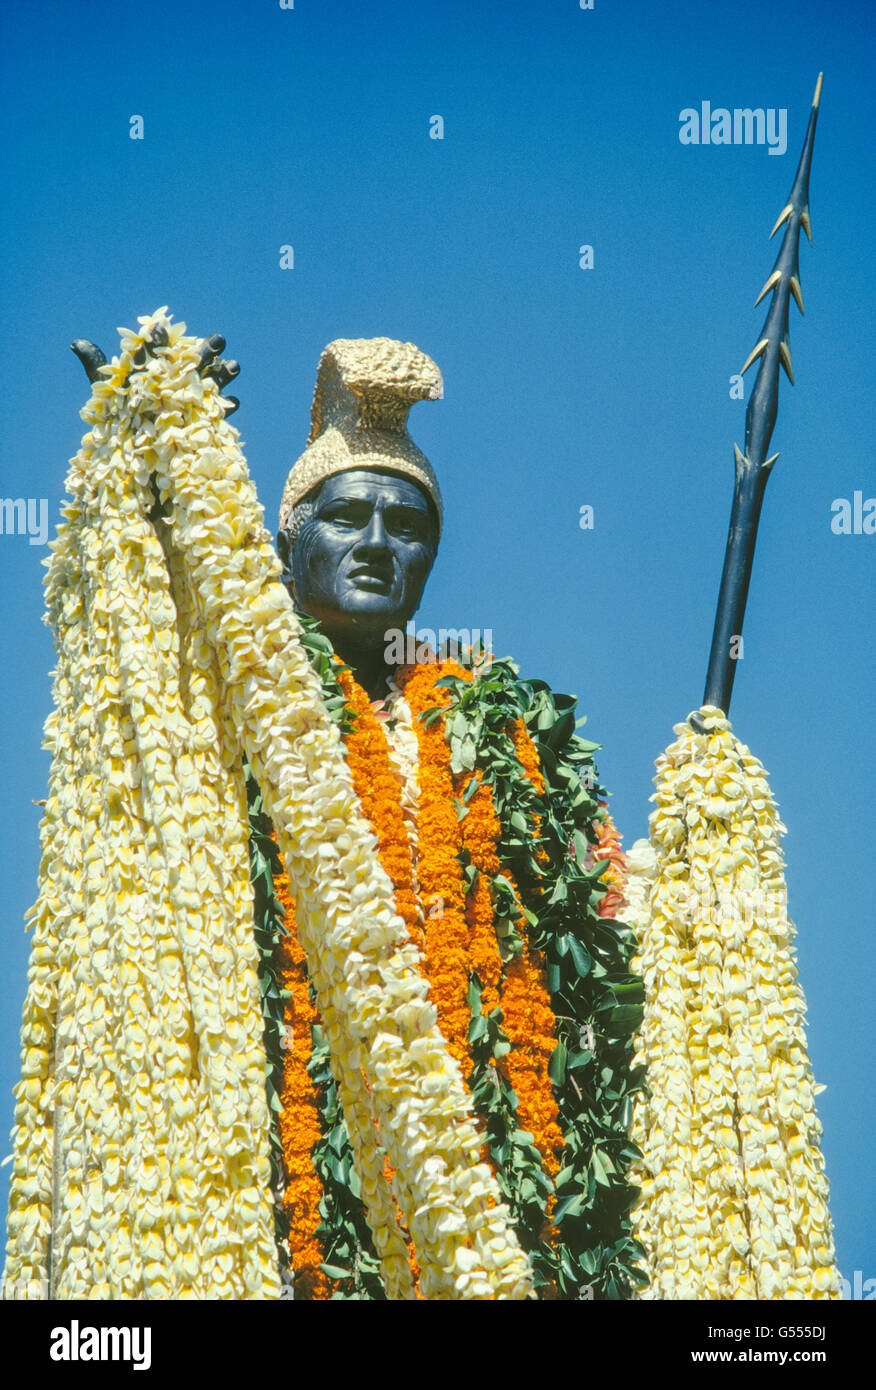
x=198 y=1192
x=734 y=1195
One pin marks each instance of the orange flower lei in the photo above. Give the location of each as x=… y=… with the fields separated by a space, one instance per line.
x=528 y=1013
x=438 y=868
x=527 y=754
x=378 y=790
x=480 y=832
x=528 y=1024
x=527 y=1018
x=379 y=793
x=299 y=1118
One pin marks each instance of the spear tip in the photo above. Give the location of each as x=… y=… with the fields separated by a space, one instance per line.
x=783 y=217
x=817 y=98
x=771 y=282
x=755 y=353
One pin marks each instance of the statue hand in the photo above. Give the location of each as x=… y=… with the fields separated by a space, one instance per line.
x=215 y=366
x=211 y=364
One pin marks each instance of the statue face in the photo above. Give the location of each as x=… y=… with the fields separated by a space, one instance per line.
x=361 y=562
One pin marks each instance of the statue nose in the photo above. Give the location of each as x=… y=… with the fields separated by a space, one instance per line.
x=374 y=534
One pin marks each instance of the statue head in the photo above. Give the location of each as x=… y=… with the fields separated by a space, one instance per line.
x=361 y=512
x=358 y=551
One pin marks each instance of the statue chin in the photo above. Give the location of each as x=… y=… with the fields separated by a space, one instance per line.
x=362 y=623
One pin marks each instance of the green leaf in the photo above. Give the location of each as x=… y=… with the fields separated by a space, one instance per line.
x=625 y=1018
x=582 y=846
x=468 y=753
x=470 y=790
x=572 y=1206
x=581 y=956
x=578 y=1059
x=557 y=1064
x=602 y=1167
x=560 y=730
x=477 y=1029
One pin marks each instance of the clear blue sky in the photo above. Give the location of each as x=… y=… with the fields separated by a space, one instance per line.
x=564 y=387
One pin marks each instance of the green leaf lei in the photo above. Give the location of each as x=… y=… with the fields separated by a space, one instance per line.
x=596 y=1000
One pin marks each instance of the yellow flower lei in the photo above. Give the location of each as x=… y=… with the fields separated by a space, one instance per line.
x=734 y=1195
x=202 y=1212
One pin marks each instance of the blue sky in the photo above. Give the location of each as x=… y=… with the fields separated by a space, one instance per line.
x=309 y=127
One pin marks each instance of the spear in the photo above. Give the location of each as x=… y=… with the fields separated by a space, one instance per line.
x=722 y=1037
x=753 y=467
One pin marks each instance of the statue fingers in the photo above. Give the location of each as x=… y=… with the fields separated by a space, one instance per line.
x=210 y=349
x=211 y=363
x=222 y=372
x=89 y=355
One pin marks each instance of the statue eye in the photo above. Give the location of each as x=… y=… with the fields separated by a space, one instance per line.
x=409 y=525
x=350 y=514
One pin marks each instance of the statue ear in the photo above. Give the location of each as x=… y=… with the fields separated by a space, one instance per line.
x=284 y=550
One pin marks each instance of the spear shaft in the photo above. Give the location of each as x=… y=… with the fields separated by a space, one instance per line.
x=753 y=466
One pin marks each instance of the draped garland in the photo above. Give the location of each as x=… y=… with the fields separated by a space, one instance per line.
x=143 y=1158
x=498 y=872
x=734 y=1194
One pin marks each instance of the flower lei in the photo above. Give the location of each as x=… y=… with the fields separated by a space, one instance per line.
x=734 y=1195
x=143 y=997
x=488 y=978
x=152 y=944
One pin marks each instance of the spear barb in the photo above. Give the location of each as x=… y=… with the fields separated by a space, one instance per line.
x=753 y=466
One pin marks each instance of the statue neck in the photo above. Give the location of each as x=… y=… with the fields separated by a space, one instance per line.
x=368 y=666
x=366 y=662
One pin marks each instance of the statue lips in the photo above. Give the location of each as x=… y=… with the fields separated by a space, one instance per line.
x=373 y=579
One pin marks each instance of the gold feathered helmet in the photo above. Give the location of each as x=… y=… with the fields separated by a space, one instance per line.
x=364 y=390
